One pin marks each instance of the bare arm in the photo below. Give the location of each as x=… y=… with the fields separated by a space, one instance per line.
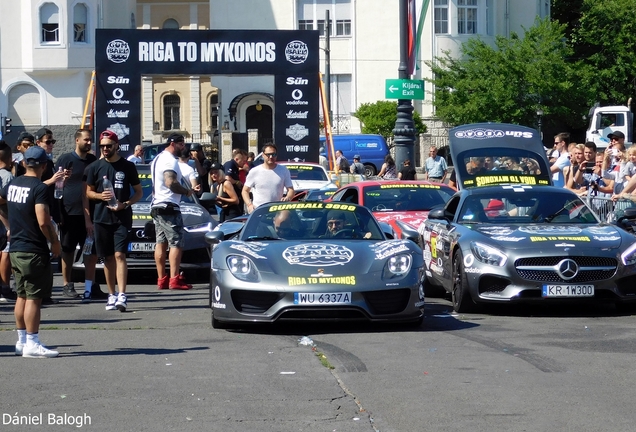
x=44 y=221
x=171 y=182
x=290 y=194
x=232 y=197
x=88 y=222
x=245 y=193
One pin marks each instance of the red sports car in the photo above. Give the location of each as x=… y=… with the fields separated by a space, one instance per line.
x=391 y=200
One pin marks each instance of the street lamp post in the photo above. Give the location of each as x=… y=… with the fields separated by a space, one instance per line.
x=404 y=130
x=539 y=123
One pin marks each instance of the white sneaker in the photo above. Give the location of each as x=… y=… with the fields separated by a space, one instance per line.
x=112 y=299
x=121 y=304
x=19 y=347
x=38 y=351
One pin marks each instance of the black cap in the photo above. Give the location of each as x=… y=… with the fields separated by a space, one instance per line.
x=616 y=134
x=216 y=167
x=42 y=132
x=335 y=215
x=175 y=137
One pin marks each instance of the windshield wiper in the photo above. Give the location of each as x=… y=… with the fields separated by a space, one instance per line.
x=256 y=238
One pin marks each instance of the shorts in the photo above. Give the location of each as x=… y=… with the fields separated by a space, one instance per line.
x=72 y=233
x=169 y=229
x=110 y=239
x=33 y=274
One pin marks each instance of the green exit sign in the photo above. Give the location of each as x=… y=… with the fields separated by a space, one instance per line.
x=404 y=89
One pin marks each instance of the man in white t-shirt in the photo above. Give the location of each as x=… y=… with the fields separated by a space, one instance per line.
x=187 y=171
x=267 y=182
x=136 y=156
x=166 y=214
x=561 y=143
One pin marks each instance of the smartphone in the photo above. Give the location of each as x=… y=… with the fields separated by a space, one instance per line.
x=69 y=165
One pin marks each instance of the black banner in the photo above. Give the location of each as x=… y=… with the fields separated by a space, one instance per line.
x=123 y=56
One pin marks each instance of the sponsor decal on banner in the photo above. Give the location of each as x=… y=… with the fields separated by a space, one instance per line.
x=297 y=148
x=118 y=51
x=117 y=113
x=117 y=80
x=296 y=52
x=297 y=132
x=297 y=81
x=291 y=114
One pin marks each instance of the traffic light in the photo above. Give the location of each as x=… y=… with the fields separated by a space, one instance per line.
x=7 y=126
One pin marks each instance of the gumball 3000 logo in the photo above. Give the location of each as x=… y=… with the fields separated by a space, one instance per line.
x=296 y=52
x=318 y=254
x=118 y=51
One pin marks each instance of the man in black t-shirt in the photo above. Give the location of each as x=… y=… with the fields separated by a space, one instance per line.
x=29 y=221
x=75 y=224
x=202 y=166
x=232 y=169
x=112 y=222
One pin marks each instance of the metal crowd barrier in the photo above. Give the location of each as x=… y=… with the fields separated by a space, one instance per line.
x=604 y=207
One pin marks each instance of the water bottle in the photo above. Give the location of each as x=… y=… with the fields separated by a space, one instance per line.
x=88 y=245
x=108 y=186
x=59 y=186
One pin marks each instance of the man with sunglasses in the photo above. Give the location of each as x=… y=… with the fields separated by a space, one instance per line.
x=561 y=143
x=267 y=182
x=111 y=223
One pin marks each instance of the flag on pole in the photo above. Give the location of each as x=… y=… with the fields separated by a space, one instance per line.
x=416 y=25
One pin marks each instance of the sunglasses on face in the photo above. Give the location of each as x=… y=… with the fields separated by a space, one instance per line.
x=50 y=142
x=334 y=223
x=270 y=155
x=106 y=146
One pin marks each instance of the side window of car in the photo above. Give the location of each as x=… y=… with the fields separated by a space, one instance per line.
x=350 y=196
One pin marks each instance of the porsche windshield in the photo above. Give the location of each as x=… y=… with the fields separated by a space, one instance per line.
x=310 y=221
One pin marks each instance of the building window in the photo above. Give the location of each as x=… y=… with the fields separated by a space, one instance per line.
x=171 y=24
x=467 y=16
x=50 y=21
x=214 y=112
x=171 y=109
x=312 y=14
x=80 y=20
x=441 y=16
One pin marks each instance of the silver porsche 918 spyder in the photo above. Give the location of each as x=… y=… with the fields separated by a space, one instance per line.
x=313 y=261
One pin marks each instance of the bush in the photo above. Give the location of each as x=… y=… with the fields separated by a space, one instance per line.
x=379 y=118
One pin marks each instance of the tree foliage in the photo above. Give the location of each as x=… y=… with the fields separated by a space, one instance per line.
x=512 y=80
x=379 y=118
x=605 y=40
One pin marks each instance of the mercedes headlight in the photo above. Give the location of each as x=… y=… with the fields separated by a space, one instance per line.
x=399 y=264
x=629 y=256
x=242 y=268
x=488 y=254
x=204 y=227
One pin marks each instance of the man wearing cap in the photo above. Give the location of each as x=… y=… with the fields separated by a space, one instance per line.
x=617 y=137
x=166 y=214
x=30 y=223
x=226 y=196
x=201 y=165
x=111 y=222
x=76 y=224
x=136 y=156
x=357 y=167
x=187 y=171
x=336 y=227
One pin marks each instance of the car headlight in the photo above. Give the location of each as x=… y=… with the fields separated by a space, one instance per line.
x=488 y=254
x=242 y=268
x=204 y=227
x=399 y=264
x=629 y=256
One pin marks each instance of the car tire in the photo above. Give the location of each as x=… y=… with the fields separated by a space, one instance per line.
x=461 y=298
x=369 y=171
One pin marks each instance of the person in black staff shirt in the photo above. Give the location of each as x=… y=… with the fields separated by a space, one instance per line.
x=201 y=165
x=232 y=169
x=30 y=223
x=111 y=224
x=75 y=224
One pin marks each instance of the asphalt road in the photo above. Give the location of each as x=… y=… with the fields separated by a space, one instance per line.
x=161 y=367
